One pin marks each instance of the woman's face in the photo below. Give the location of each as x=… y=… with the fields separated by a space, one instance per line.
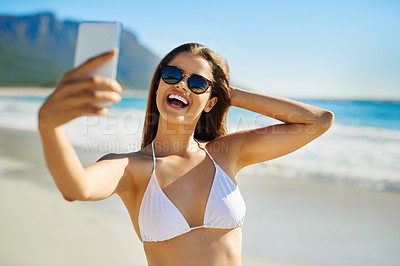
x=169 y=96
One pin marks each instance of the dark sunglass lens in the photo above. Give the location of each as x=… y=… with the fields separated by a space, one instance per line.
x=171 y=75
x=197 y=84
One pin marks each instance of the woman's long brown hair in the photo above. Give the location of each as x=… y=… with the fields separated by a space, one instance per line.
x=210 y=125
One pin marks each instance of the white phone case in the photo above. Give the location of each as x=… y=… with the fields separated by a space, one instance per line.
x=95 y=38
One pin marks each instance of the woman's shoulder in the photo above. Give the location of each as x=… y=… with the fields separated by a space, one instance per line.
x=223 y=149
x=141 y=155
x=222 y=145
x=140 y=163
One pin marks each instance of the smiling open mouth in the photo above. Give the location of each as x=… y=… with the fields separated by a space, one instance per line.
x=177 y=101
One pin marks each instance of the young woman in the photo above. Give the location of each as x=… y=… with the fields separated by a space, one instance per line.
x=181 y=188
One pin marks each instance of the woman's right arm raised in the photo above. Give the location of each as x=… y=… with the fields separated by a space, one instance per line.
x=75 y=96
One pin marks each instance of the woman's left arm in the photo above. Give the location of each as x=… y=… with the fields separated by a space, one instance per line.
x=303 y=124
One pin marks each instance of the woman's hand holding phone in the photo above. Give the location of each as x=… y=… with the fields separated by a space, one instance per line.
x=77 y=95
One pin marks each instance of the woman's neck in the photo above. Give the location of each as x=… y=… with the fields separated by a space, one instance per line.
x=175 y=138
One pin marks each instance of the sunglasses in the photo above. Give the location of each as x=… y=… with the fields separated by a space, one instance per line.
x=196 y=83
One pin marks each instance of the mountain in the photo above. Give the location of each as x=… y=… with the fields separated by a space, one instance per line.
x=35 y=50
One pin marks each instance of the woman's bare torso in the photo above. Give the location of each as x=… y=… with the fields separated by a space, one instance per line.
x=187 y=183
x=198 y=247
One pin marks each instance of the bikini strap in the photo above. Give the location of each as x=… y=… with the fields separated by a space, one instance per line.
x=204 y=148
x=154 y=157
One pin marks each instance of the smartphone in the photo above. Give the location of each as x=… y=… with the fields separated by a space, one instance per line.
x=95 y=38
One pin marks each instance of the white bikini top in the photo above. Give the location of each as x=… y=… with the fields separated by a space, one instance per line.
x=159 y=219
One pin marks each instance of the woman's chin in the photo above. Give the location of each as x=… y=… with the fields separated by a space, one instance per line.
x=171 y=117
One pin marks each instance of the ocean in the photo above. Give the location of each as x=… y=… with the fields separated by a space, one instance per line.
x=362 y=148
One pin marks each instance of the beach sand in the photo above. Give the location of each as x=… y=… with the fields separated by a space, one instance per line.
x=288 y=222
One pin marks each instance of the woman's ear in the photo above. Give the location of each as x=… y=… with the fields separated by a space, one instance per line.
x=210 y=104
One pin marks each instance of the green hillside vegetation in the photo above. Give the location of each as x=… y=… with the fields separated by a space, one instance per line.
x=36 y=50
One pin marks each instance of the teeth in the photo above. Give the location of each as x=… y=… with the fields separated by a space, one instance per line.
x=178 y=97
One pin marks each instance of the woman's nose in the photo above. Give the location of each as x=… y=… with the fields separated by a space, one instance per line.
x=183 y=83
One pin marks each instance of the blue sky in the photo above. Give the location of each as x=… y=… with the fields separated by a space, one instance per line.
x=303 y=49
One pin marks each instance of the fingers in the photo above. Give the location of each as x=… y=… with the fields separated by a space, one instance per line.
x=88 y=109
x=91 y=83
x=89 y=65
x=94 y=82
x=77 y=95
x=94 y=62
x=91 y=97
x=79 y=98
